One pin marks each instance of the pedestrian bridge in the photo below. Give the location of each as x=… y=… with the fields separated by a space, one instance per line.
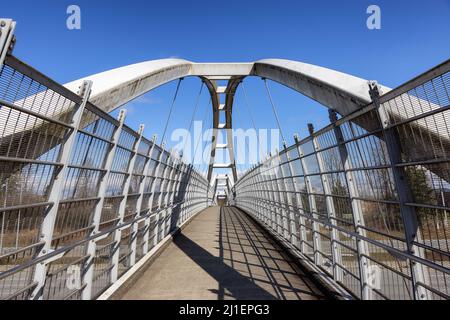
x=91 y=209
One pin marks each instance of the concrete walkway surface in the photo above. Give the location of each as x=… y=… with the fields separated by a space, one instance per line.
x=223 y=255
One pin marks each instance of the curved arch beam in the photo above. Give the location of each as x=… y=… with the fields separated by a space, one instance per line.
x=112 y=89
x=335 y=90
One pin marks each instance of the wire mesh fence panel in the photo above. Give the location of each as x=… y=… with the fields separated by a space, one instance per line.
x=375 y=207
x=36 y=122
x=65 y=275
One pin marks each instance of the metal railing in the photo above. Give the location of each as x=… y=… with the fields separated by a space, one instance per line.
x=82 y=196
x=367 y=198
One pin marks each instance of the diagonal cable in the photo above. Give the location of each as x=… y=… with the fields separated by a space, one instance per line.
x=249 y=109
x=197 y=104
x=171 y=110
x=274 y=109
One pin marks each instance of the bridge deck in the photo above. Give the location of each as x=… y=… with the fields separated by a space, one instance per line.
x=223 y=255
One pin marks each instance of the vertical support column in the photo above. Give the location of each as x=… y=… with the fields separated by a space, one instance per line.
x=298 y=230
x=187 y=176
x=259 y=193
x=284 y=201
x=170 y=194
x=215 y=136
x=162 y=211
x=151 y=199
x=7 y=27
x=92 y=245
x=181 y=188
x=358 y=218
x=278 y=204
x=139 y=203
x=176 y=186
x=336 y=252
x=57 y=187
x=409 y=215
x=230 y=147
x=149 y=213
x=161 y=201
x=175 y=190
x=268 y=199
x=317 y=241
x=122 y=207
x=272 y=192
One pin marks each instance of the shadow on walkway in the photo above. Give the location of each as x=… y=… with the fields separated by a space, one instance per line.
x=223 y=254
x=250 y=264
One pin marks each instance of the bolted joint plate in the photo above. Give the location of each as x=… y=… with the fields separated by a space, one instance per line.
x=7 y=27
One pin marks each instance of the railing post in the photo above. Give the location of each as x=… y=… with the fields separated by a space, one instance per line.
x=179 y=187
x=7 y=27
x=268 y=196
x=122 y=207
x=408 y=213
x=358 y=218
x=290 y=205
x=175 y=188
x=139 y=205
x=57 y=187
x=279 y=206
x=148 y=217
x=164 y=201
x=152 y=197
x=162 y=211
x=186 y=169
x=331 y=211
x=271 y=195
x=92 y=245
x=261 y=193
x=317 y=241
x=272 y=214
x=301 y=219
x=285 y=201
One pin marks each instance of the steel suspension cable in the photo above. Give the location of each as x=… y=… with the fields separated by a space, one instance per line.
x=247 y=104
x=201 y=136
x=171 y=110
x=274 y=109
x=249 y=110
x=205 y=166
x=197 y=104
x=236 y=117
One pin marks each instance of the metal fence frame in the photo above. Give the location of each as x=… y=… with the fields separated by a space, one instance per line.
x=84 y=197
x=350 y=193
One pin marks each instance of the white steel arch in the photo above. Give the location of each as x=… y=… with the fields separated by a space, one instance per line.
x=338 y=91
x=335 y=90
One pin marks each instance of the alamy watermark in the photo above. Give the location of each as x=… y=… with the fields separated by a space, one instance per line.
x=73 y=21
x=250 y=146
x=374 y=20
x=373 y=277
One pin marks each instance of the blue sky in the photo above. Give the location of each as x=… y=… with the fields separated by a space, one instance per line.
x=414 y=37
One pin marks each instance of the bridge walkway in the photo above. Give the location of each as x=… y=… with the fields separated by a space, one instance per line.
x=223 y=255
